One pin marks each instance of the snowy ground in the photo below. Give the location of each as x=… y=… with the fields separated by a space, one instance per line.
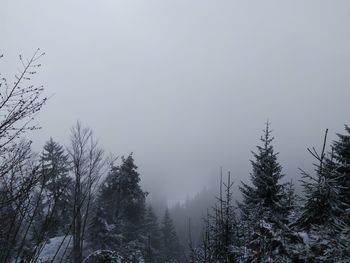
x=50 y=249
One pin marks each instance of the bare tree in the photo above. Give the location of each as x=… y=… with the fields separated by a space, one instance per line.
x=88 y=162
x=19 y=104
x=20 y=101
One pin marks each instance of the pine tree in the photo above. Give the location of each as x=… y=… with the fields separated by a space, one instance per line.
x=132 y=199
x=342 y=170
x=153 y=235
x=171 y=250
x=221 y=229
x=323 y=209
x=104 y=223
x=102 y=227
x=263 y=209
x=342 y=174
x=57 y=183
x=118 y=219
x=8 y=221
x=267 y=192
x=322 y=200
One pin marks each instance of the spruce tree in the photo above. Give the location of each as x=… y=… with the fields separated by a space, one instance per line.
x=266 y=192
x=323 y=213
x=341 y=149
x=153 y=236
x=263 y=208
x=118 y=219
x=132 y=198
x=57 y=185
x=171 y=250
x=102 y=227
x=322 y=199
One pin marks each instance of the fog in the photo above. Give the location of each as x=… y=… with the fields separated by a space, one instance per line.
x=187 y=85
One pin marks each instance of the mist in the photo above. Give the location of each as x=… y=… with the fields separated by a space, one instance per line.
x=188 y=85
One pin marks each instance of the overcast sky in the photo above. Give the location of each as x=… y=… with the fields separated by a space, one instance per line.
x=187 y=85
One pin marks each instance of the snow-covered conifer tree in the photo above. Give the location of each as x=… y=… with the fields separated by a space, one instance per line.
x=267 y=191
x=263 y=210
x=119 y=211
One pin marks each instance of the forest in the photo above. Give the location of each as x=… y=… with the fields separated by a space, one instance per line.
x=74 y=203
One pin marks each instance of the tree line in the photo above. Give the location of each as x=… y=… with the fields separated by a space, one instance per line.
x=272 y=223
x=72 y=204
x=90 y=218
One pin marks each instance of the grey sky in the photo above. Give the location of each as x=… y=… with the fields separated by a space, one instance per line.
x=187 y=85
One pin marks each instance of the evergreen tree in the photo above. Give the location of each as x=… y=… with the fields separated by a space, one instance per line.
x=267 y=192
x=220 y=236
x=153 y=236
x=171 y=251
x=322 y=200
x=342 y=174
x=119 y=210
x=8 y=221
x=324 y=214
x=57 y=185
x=132 y=199
x=193 y=208
x=342 y=170
x=263 y=209
x=102 y=226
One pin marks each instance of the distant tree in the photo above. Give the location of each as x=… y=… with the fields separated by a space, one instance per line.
x=194 y=208
x=171 y=250
x=153 y=235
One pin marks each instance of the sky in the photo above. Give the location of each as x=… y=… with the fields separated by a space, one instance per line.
x=187 y=86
